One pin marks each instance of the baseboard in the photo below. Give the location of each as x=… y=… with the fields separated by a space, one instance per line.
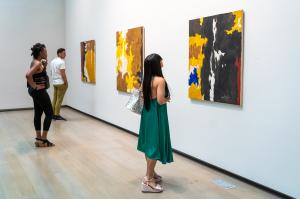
x=22 y=109
x=16 y=109
x=255 y=184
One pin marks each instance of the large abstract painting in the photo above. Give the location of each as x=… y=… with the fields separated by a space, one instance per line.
x=130 y=55
x=215 y=58
x=88 y=61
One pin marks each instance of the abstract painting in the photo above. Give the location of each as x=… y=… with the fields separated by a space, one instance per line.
x=215 y=58
x=130 y=55
x=88 y=61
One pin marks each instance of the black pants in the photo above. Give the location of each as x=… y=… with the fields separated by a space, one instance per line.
x=42 y=103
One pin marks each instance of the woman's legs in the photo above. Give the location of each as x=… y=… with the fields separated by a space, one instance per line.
x=147 y=164
x=156 y=176
x=150 y=168
x=149 y=183
x=38 y=111
x=42 y=103
x=47 y=108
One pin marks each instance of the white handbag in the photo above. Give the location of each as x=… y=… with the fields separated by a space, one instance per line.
x=136 y=101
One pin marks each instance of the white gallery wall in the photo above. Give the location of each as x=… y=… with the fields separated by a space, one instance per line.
x=260 y=140
x=24 y=23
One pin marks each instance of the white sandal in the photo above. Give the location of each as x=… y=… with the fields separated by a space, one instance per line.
x=147 y=188
x=157 y=179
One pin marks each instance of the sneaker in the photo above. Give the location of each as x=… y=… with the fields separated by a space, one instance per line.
x=60 y=118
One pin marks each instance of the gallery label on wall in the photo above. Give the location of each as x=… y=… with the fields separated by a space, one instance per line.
x=129 y=58
x=215 y=58
x=88 y=61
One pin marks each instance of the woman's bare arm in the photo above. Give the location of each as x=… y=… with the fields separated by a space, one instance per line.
x=36 y=66
x=161 y=91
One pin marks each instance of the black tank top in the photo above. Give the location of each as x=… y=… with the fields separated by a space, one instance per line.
x=41 y=79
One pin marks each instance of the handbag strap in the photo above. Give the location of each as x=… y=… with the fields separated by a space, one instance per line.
x=142 y=79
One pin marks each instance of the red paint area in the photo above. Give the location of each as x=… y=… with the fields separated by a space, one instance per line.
x=238 y=67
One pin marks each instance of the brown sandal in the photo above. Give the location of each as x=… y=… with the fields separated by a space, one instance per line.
x=43 y=143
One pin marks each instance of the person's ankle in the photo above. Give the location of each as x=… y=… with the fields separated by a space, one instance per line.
x=149 y=177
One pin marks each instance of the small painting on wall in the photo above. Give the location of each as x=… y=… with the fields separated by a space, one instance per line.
x=215 y=58
x=88 y=61
x=129 y=59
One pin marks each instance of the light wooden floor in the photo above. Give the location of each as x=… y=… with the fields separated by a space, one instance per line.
x=95 y=160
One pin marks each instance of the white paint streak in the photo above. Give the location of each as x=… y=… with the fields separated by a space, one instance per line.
x=214 y=61
x=218 y=54
x=212 y=80
x=123 y=69
x=211 y=77
x=214 y=30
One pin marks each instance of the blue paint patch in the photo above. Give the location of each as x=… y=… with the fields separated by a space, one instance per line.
x=193 y=79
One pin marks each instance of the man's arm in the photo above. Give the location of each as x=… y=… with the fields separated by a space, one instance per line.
x=63 y=75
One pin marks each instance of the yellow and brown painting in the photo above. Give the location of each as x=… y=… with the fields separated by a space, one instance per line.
x=215 y=58
x=130 y=55
x=88 y=61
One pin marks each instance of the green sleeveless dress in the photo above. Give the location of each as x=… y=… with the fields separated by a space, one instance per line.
x=154 y=135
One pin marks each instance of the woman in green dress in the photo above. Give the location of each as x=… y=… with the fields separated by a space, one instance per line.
x=154 y=136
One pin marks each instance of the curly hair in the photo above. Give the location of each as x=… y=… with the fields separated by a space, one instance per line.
x=36 y=50
x=60 y=50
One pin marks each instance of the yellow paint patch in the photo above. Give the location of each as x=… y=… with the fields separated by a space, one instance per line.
x=90 y=65
x=195 y=92
x=201 y=21
x=238 y=22
x=130 y=62
x=196 y=44
x=119 y=51
x=197 y=40
x=131 y=80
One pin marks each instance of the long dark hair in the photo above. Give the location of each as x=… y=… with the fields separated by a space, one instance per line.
x=152 y=68
x=37 y=49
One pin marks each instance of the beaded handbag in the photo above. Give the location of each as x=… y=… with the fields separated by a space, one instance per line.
x=136 y=101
